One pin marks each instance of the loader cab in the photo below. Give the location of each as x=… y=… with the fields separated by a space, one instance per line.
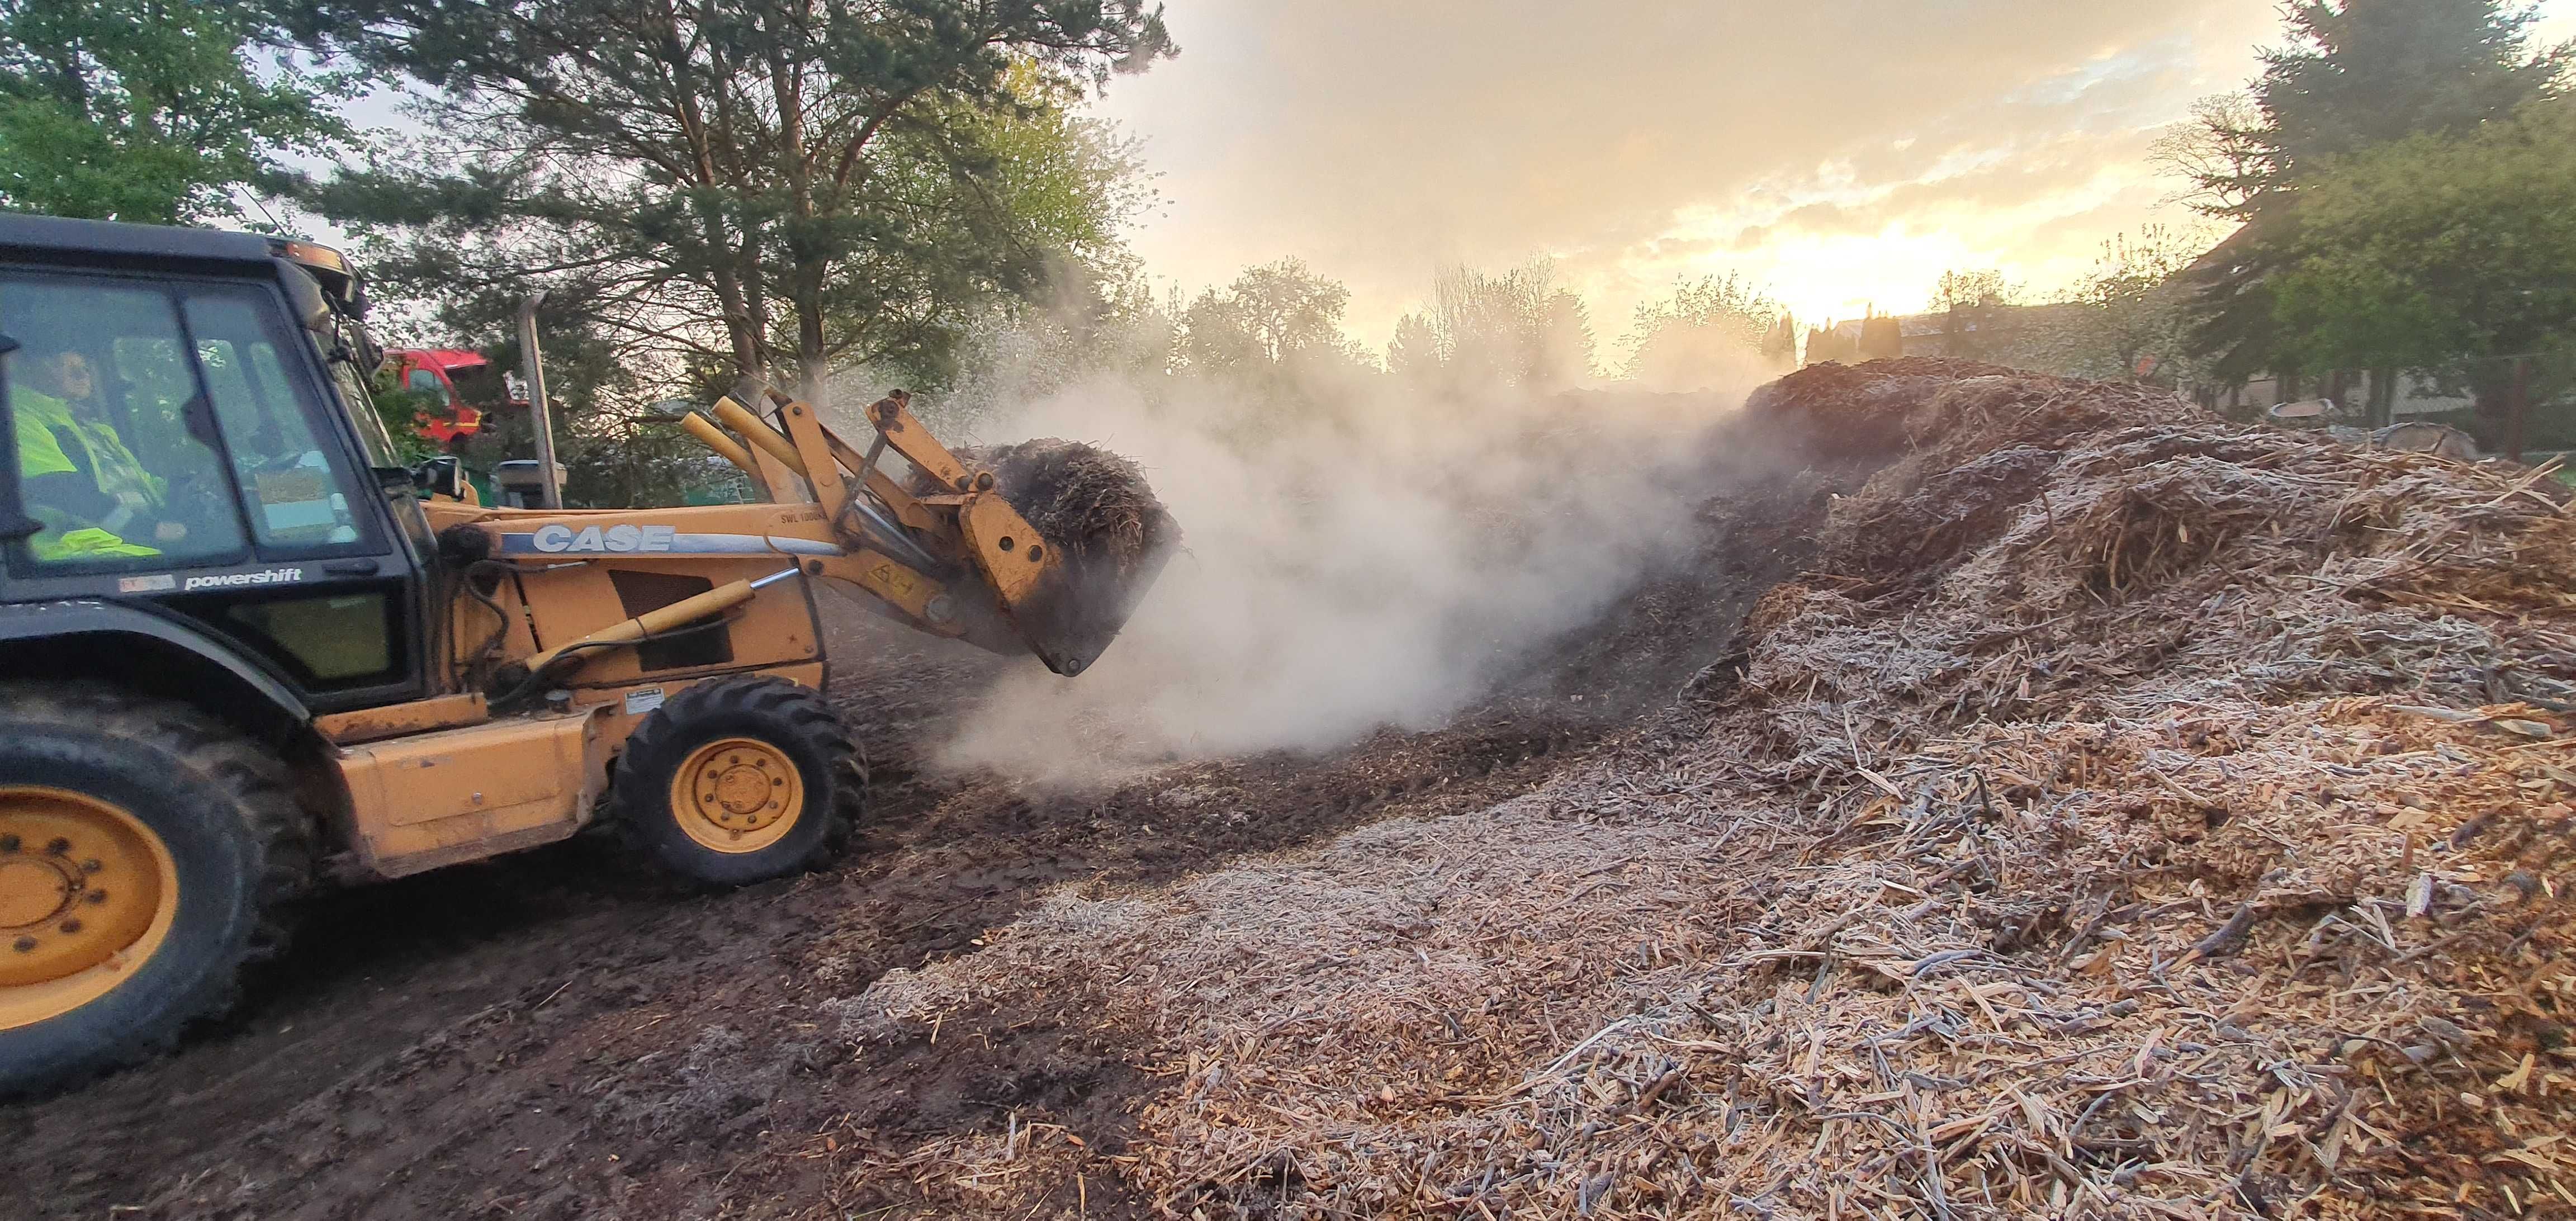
x=185 y=436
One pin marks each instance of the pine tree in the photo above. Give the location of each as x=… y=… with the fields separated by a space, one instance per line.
x=2355 y=74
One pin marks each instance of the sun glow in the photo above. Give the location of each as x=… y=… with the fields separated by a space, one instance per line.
x=1821 y=277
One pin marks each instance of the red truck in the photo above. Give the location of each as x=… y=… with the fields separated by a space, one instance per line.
x=462 y=379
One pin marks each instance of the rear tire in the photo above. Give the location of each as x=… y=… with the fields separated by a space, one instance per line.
x=739 y=780
x=147 y=853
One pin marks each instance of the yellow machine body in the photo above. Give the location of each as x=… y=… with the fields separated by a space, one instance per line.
x=587 y=602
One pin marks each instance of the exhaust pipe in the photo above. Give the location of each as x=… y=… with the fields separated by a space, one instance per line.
x=534 y=365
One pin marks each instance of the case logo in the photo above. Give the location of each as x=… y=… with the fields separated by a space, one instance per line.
x=561 y=538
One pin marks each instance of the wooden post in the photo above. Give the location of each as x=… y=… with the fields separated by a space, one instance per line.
x=2517 y=407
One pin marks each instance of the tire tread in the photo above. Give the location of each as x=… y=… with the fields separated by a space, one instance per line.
x=801 y=710
x=252 y=780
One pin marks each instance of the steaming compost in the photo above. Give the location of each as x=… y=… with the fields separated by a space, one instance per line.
x=2039 y=797
x=1095 y=504
x=1113 y=537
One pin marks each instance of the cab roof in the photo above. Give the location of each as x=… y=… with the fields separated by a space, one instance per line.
x=56 y=237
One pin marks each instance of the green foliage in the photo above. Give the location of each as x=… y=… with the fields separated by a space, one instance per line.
x=1709 y=332
x=2355 y=75
x=148 y=110
x=404 y=411
x=1273 y=318
x=2433 y=249
x=2366 y=72
x=770 y=188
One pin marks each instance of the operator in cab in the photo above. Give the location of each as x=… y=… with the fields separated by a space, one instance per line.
x=76 y=476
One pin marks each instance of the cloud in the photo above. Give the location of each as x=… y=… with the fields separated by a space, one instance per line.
x=1640 y=143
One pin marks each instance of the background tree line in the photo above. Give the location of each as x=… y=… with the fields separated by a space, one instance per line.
x=714 y=194
x=2392 y=191
x=718 y=193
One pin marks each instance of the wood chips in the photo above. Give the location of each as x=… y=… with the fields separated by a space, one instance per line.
x=2128 y=816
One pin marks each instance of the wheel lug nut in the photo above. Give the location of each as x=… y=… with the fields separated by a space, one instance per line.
x=59 y=846
x=8 y=843
x=23 y=944
x=95 y=897
x=91 y=866
x=71 y=926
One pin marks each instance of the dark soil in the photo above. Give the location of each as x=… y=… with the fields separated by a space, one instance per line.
x=559 y=1034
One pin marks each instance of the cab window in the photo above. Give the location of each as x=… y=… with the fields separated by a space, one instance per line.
x=293 y=484
x=158 y=426
x=116 y=465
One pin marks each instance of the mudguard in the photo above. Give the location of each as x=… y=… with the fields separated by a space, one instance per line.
x=95 y=618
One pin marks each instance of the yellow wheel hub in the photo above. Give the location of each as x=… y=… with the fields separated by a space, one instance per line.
x=87 y=893
x=737 y=795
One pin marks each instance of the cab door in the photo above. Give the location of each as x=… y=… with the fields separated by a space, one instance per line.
x=200 y=466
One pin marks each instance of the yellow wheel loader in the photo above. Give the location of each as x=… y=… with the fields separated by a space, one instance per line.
x=245 y=653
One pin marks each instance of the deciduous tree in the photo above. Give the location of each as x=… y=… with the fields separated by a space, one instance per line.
x=2434 y=253
x=1520 y=328
x=1272 y=317
x=780 y=187
x=158 y=111
x=1709 y=332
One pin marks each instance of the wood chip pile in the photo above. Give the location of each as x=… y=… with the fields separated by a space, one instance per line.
x=2128 y=816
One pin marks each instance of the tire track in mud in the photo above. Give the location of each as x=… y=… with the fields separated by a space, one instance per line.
x=562 y=1034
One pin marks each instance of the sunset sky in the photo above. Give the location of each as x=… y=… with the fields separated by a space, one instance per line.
x=1842 y=153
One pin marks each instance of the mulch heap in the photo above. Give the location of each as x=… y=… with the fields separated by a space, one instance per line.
x=1096 y=504
x=2126 y=815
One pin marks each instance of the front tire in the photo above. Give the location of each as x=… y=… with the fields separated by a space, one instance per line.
x=739 y=780
x=147 y=852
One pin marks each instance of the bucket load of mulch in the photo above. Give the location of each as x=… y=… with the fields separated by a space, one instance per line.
x=1112 y=536
x=2122 y=813
x=1094 y=504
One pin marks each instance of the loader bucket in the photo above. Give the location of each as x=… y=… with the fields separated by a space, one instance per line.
x=1070 y=619
x=1110 y=535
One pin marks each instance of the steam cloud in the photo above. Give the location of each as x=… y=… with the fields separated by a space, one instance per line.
x=1384 y=558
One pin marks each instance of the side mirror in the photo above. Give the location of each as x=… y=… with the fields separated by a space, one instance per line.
x=441 y=477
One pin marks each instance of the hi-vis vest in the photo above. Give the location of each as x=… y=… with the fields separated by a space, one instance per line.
x=43 y=425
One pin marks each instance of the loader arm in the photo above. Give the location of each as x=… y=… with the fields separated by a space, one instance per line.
x=959 y=560
x=944 y=551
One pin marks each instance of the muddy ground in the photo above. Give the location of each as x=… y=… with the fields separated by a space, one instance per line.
x=560 y=1034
